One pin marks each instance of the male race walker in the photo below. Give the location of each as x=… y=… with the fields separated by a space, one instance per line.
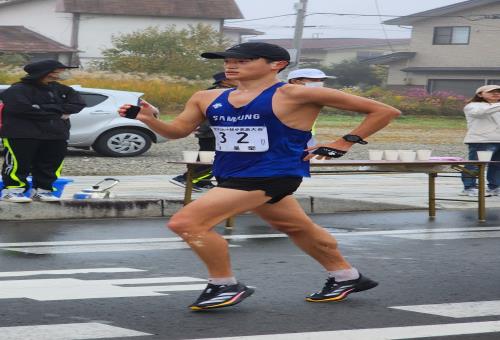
x=262 y=128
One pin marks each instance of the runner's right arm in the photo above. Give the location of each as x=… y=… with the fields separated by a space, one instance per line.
x=185 y=123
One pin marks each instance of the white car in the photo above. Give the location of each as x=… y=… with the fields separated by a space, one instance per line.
x=99 y=126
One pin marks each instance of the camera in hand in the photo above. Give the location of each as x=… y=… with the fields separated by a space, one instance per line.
x=132 y=112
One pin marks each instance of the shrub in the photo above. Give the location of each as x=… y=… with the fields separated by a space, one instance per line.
x=9 y=76
x=413 y=101
x=167 y=93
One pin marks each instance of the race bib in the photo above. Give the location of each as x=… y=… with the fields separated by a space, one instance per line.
x=241 y=138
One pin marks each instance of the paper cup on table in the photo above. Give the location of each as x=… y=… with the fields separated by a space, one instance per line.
x=375 y=155
x=484 y=156
x=424 y=155
x=190 y=156
x=400 y=152
x=408 y=156
x=207 y=156
x=391 y=155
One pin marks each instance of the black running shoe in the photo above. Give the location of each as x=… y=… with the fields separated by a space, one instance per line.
x=338 y=291
x=205 y=185
x=181 y=181
x=217 y=296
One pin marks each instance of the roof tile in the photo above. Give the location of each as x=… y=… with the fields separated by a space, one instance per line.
x=212 y=9
x=19 y=39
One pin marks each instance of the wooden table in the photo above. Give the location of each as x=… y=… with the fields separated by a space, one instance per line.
x=432 y=168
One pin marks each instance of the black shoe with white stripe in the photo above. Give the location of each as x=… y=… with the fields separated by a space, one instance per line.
x=338 y=291
x=218 y=296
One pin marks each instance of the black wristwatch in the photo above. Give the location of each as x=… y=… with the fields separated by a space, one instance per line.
x=354 y=139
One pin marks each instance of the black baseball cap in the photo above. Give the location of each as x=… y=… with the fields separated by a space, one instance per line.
x=250 y=50
x=40 y=69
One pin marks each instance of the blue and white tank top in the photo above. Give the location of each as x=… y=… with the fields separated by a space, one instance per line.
x=252 y=142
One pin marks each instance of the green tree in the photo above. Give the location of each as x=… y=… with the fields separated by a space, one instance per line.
x=354 y=73
x=12 y=59
x=169 y=51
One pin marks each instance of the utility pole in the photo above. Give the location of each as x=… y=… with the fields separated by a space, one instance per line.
x=301 y=8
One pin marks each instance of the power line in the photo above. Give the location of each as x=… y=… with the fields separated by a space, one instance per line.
x=263 y=18
x=470 y=18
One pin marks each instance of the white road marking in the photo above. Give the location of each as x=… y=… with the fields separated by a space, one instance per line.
x=391 y=333
x=69 y=272
x=457 y=310
x=101 y=248
x=70 y=331
x=58 y=247
x=450 y=236
x=245 y=237
x=75 y=289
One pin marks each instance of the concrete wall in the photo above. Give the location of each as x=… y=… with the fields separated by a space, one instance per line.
x=39 y=16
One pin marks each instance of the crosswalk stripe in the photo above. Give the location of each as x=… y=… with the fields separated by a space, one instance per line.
x=69 y=272
x=101 y=248
x=457 y=310
x=70 y=331
x=76 y=289
x=245 y=237
x=391 y=333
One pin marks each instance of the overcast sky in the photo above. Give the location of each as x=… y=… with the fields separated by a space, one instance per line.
x=332 y=26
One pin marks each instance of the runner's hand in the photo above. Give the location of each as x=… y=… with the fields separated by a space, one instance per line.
x=148 y=111
x=340 y=145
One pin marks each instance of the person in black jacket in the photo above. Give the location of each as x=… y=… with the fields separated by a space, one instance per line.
x=206 y=142
x=34 y=126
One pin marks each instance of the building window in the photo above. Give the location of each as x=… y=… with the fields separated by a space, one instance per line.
x=458 y=35
x=494 y=82
x=463 y=87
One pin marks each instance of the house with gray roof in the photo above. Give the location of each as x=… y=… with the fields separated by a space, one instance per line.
x=453 y=48
x=88 y=26
x=327 y=51
x=20 y=40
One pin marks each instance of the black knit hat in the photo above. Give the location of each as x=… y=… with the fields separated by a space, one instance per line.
x=40 y=69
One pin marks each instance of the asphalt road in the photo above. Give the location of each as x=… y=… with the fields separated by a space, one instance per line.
x=122 y=279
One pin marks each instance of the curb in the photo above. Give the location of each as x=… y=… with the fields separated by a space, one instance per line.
x=127 y=208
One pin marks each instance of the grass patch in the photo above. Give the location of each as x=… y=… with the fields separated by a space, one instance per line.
x=405 y=129
x=419 y=122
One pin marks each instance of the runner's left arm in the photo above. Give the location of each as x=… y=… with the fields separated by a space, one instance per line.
x=378 y=115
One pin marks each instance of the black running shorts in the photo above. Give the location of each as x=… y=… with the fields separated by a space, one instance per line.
x=275 y=187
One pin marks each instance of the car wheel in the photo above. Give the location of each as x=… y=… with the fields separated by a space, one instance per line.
x=122 y=143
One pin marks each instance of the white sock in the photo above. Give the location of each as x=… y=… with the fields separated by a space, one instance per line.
x=219 y=281
x=344 y=274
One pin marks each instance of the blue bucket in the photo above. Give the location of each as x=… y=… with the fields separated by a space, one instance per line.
x=58 y=185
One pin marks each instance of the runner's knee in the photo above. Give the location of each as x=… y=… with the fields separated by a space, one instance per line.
x=181 y=224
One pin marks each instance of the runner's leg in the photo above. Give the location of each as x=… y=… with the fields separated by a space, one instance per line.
x=288 y=217
x=194 y=224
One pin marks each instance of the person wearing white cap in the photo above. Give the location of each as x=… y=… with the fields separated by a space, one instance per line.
x=483 y=134
x=310 y=77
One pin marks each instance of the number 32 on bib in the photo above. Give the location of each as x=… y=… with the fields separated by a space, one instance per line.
x=241 y=138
